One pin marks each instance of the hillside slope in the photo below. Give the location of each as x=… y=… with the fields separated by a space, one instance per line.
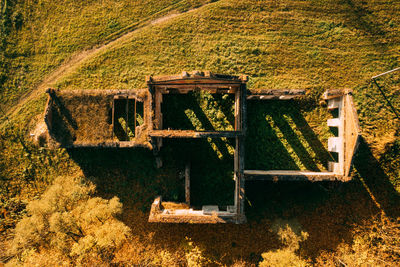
x=304 y=44
x=312 y=45
x=38 y=37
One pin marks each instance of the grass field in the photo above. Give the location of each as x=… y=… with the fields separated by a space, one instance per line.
x=41 y=36
x=313 y=45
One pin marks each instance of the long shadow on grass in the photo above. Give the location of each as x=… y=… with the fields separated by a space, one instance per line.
x=318 y=148
x=131 y=174
x=273 y=140
x=376 y=181
x=327 y=211
x=174 y=116
x=63 y=123
x=225 y=104
x=211 y=172
x=64 y=112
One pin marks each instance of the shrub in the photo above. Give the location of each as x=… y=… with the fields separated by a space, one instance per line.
x=69 y=222
x=286 y=256
x=374 y=244
x=165 y=258
x=194 y=254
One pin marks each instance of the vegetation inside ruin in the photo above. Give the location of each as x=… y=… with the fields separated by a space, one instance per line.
x=313 y=45
x=81 y=118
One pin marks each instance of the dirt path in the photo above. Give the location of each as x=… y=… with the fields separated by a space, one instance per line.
x=76 y=60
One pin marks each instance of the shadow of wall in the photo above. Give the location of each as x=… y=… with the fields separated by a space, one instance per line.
x=279 y=138
x=327 y=211
x=84 y=118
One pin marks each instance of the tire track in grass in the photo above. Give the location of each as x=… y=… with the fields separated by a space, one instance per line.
x=77 y=59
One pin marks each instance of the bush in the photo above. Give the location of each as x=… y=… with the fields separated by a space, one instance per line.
x=69 y=222
x=374 y=244
x=286 y=256
x=164 y=258
x=194 y=254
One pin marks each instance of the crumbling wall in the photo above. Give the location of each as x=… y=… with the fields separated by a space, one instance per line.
x=352 y=133
x=84 y=118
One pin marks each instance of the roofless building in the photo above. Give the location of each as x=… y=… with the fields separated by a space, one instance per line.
x=134 y=118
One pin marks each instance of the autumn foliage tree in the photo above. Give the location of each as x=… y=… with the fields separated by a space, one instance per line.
x=67 y=221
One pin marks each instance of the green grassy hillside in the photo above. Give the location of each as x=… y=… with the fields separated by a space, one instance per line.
x=313 y=45
x=39 y=36
x=294 y=44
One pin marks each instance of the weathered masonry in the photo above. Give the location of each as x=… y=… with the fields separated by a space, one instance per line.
x=134 y=118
